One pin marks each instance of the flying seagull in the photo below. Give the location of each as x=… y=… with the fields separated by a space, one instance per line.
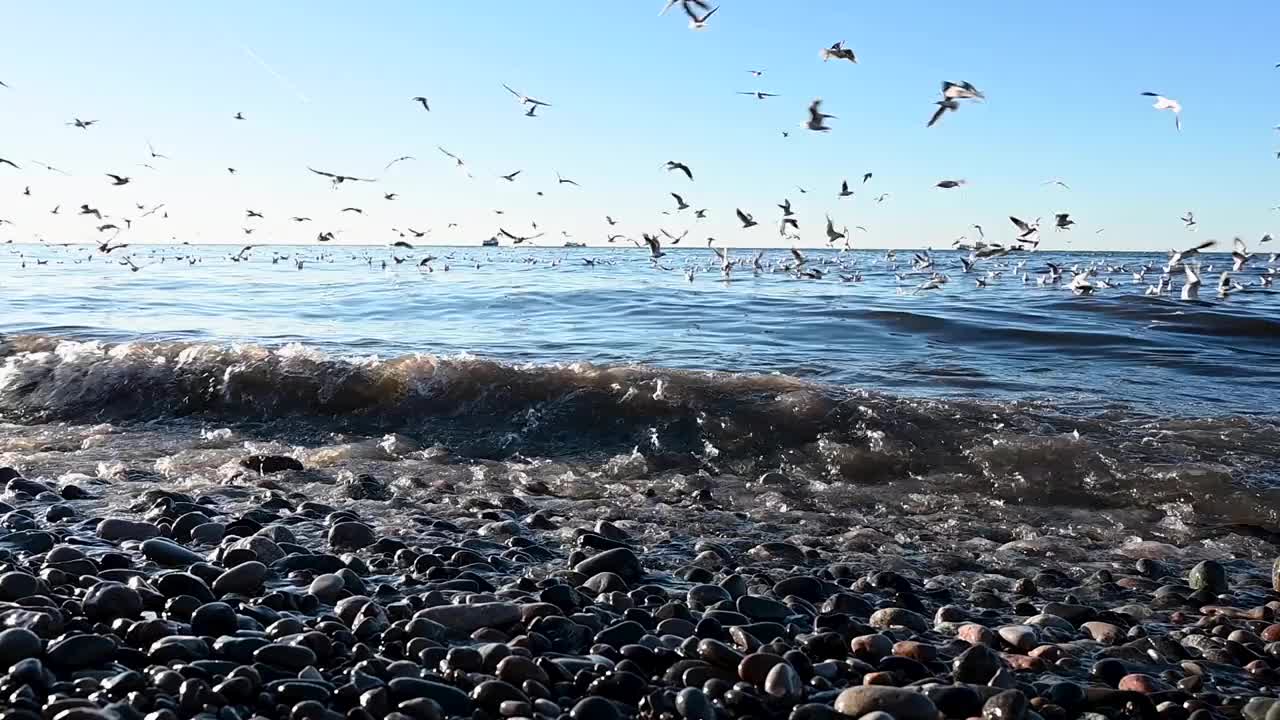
x=425 y=106
x=118 y=179
x=844 y=190
x=866 y=177
x=680 y=203
x=839 y=52
x=1063 y=221
x=786 y=208
x=511 y=177
x=390 y=196
x=402 y=158
x=239 y=116
x=655 y=246
x=1055 y=181
x=1177 y=256
x=696 y=22
x=565 y=181
x=816 y=116
x=82 y=124
x=943 y=106
x=961 y=91
x=757 y=94
x=832 y=234
x=949 y=184
x=756 y=73
x=1189 y=220
x=10 y=162
x=50 y=168
x=524 y=99
x=252 y=214
x=337 y=179
x=673 y=165
x=747 y=220
x=1164 y=103
x=151 y=149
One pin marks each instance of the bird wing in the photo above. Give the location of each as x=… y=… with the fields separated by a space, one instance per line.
x=937 y=115
x=1020 y=224
x=321 y=172
x=741 y=215
x=1240 y=247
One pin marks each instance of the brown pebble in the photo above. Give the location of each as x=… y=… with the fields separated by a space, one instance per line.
x=923 y=652
x=755 y=667
x=1271 y=633
x=1142 y=683
x=880 y=678
x=1023 y=663
x=1048 y=653
x=976 y=634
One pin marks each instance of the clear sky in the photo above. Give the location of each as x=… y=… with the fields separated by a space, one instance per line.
x=328 y=84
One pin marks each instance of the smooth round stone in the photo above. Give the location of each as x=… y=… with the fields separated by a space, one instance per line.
x=901 y=704
x=208 y=533
x=244 y=579
x=492 y=693
x=700 y=597
x=451 y=700
x=1208 y=575
x=783 y=683
x=178 y=647
x=594 y=707
x=115 y=529
x=693 y=704
x=758 y=607
x=169 y=553
x=755 y=667
x=106 y=601
x=976 y=634
x=214 y=619
x=516 y=669
x=1008 y=705
x=1142 y=683
x=19 y=644
x=287 y=657
x=472 y=617
x=976 y=665
x=1020 y=637
x=264 y=548
x=351 y=536
x=81 y=651
x=17 y=585
x=899 y=617
x=1104 y=632
x=620 y=561
x=327 y=588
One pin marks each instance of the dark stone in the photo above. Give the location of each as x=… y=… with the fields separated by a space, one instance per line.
x=351 y=536
x=594 y=707
x=268 y=464
x=107 y=601
x=976 y=665
x=1008 y=705
x=451 y=700
x=287 y=657
x=19 y=644
x=169 y=553
x=244 y=578
x=1208 y=575
x=620 y=561
x=214 y=620
x=81 y=651
x=17 y=585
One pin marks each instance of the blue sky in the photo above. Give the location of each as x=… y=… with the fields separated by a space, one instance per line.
x=329 y=84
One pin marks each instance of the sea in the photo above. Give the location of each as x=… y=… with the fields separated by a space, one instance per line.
x=847 y=395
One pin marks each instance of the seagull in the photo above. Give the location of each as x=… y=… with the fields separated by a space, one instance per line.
x=757 y=94
x=355 y=210
x=700 y=214
x=252 y=214
x=747 y=220
x=961 y=91
x=390 y=196
x=1189 y=220
x=839 y=52
x=832 y=234
x=782 y=227
x=674 y=239
x=300 y=219
x=981 y=235
x=233 y=172
x=82 y=124
x=325 y=236
x=50 y=168
x=756 y=73
x=695 y=22
x=511 y=177
x=943 y=107
x=1063 y=221
x=532 y=112
x=786 y=208
x=516 y=238
x=55 y=209
x=881 y=197
x=457 y=160
x=524 y=99
x=1240 y=255
x=610 y=220
x=402 y=158
x=1191 y=289
x=425 y=106
x=337 y=179
x=239 y=116
x=151 y=149
x=247 y=231
x=118 y=180
x=1025 y=230
x=1164 y=103
x=1055 y=181
x=418 y=233
x=673 y=165
x=655 y=246
x=680 y=203
x=15 y=166
x=1225 y=286
x=816 y=117
x=866 y=177
x=565 y=181
x=402 y=244
x=1177 y=256
x=949 y=184
x=800 y=259
x=844 y=190
x=86 y=210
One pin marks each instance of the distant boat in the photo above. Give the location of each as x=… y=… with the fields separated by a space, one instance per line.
x=491 y=242
x=575 y=244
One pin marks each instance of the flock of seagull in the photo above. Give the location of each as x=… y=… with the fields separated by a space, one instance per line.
x=986 y=262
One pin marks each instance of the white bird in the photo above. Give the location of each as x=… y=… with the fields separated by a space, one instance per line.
x=1191 y=288
x=1164 y=103
x=1240 y=255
